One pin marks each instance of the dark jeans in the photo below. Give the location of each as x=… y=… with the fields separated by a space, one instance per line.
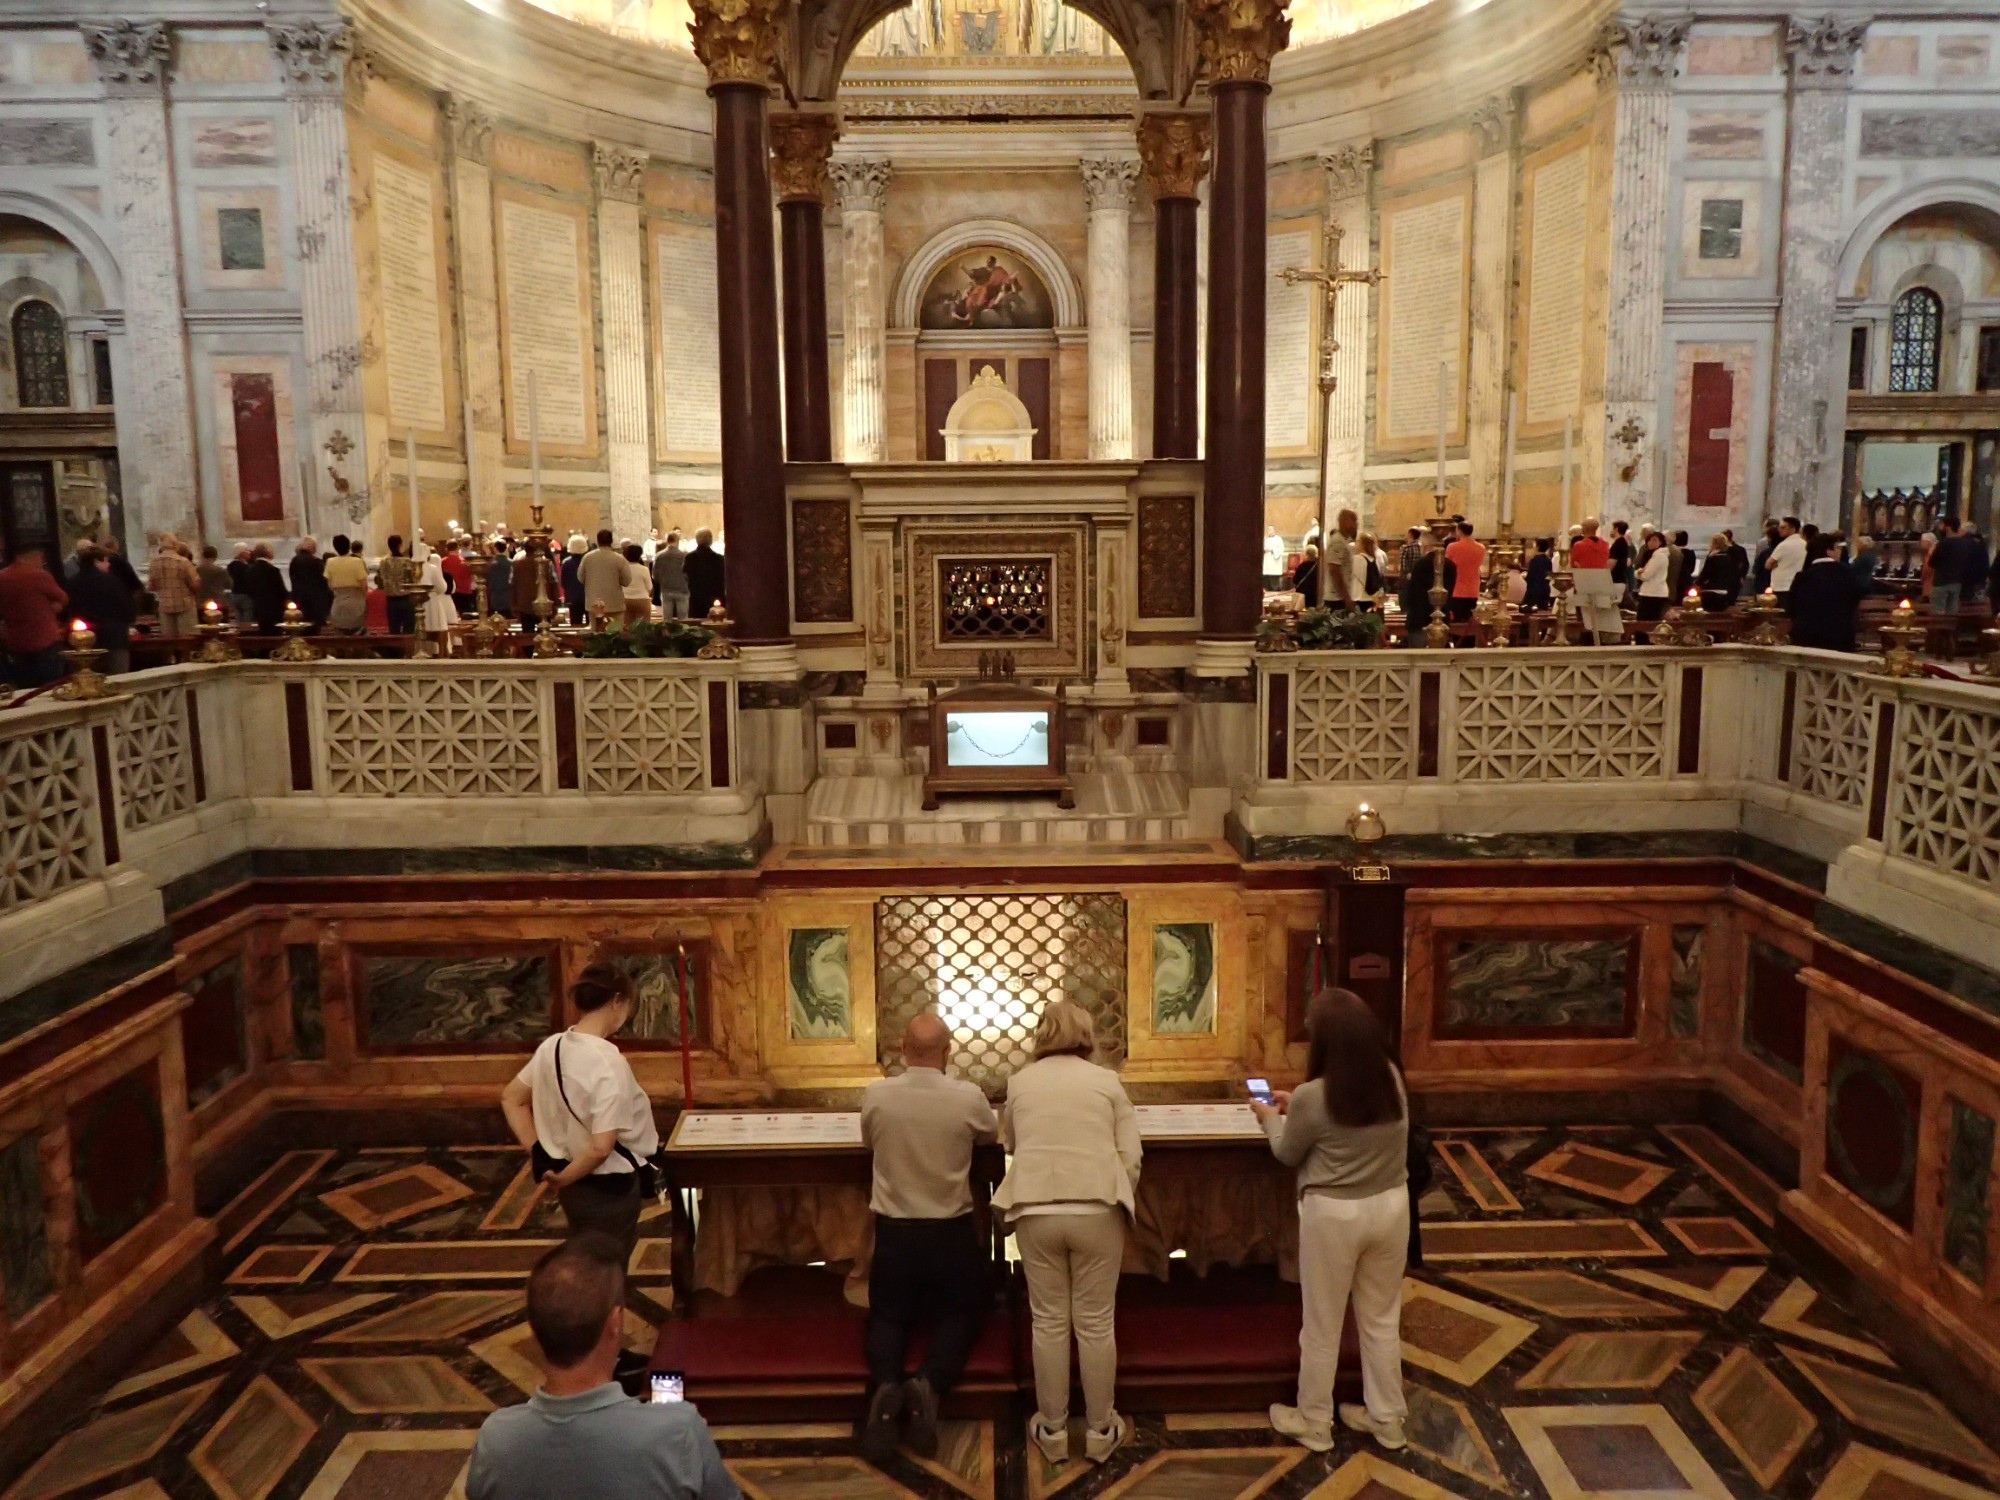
x=925 y=1266
x=33 y=669
x=402 y=616
x=1461 y=609
x=608 y=1202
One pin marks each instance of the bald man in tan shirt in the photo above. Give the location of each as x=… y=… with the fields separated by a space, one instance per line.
x=922 y=1127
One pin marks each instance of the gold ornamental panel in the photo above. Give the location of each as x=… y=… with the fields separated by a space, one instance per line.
x=1035 y=576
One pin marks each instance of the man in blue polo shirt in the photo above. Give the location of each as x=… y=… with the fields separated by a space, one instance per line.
x=580 y=1434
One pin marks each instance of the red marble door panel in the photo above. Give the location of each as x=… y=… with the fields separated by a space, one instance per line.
x=118 y=1159
x=1872 y=1112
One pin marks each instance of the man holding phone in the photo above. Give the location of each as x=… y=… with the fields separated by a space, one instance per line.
x=580 y=1434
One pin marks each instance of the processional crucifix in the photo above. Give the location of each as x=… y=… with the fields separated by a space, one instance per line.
x=1330 y=278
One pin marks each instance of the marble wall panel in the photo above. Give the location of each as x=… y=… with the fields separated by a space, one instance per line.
x=1930 y=134
x=214 y=1032
x=421 y=1000
x=1968 y=1179
x=1774 y=1009
x=656 y=981
x=1689 y=944
x=1872 y=1111
x=234 y=143
x=1527 y=985
x=118 y=1159
x=27 y=1272
x=308 y=1014
x=46 y=143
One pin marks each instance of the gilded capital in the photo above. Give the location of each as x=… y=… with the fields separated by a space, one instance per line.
x=1236 y=39
x=801 y=143
x=739 y=41
x=1174 y=149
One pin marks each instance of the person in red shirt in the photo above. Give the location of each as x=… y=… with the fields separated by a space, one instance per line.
x=31 y=604
x=458 y=573
x=1596 y=595
x=1468 y=559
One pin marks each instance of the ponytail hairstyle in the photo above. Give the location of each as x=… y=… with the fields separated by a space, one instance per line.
x=1347 y=1049
x=598 y=986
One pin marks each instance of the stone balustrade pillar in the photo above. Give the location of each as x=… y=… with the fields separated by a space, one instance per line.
x=800 y=145
x=620 y=177
x=1107 y=186
x=156 y=442
x=1174 y=148
x=863 y=186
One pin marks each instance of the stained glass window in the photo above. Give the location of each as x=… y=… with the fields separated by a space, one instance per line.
x=1914 y=332
x=41 y=359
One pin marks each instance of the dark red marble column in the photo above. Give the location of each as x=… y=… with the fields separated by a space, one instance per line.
x=1233 y=510
x=800 y=144
x=1174 y=148
x=753 y=467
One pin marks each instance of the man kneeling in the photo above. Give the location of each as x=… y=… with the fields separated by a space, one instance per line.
x=922 y=1127
x=580 y=1434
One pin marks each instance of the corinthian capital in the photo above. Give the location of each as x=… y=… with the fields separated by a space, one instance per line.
x=863 y=185
x=470 y=128
x=801 y=142
x=1645 y=50
x=1108 y=182
x=1237 y=39
x=1174 y=148
x=312 y=54
x=619 y=173
x=739 y=41
x=1822 y=50
x=1348 y=170
x=129 y=56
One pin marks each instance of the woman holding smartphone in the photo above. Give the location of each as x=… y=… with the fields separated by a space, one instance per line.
x=1346 y=1129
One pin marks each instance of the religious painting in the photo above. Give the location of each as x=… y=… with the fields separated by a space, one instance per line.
x=118 y=1155
x=418 y=1000
x=987 y=287
x=27 y=1270
x=1184 y=983
x=987 y=28
x=1533 y=986
x=819 y=992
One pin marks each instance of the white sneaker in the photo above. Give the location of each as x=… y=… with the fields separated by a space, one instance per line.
x=1287 y=1421
x=1100 y=1443
x=1389 y=1435
x=1053 y=1441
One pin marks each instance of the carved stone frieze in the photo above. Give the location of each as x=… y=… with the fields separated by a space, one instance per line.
x=1822 y=50
x=1348 y=171
x=863 y=184
x=1643 y=51
x=470 y=129
x=919 y=108
x=740 y=41
x=1108 y=182
x=801 y=143
x=618 y=173
x=1174 y=148
x=312 y=54
x=129 y=55
x=1236 y=39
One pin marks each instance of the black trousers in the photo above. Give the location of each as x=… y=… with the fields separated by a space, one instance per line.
x=608 y=1202
x=925 y=1267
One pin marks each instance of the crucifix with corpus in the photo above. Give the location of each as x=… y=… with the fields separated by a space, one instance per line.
x=1330 y=277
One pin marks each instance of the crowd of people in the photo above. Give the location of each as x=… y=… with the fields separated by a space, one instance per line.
x=408 y=591
x=1074 y=1159
x=1643 y=574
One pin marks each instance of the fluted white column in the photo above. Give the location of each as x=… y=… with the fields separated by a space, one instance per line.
x=1806 y=430
x=1108 y=184
x=1348 y=172
x=314 y=57
x=156 y=447
x=622 y=311
x=1646 y=54
x=470 y=130
x=1489 y=303
x=863 y=186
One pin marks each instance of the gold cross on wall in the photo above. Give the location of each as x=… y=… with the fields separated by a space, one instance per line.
x=1329 y=276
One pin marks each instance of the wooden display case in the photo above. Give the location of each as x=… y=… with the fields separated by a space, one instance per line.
x=997 y=737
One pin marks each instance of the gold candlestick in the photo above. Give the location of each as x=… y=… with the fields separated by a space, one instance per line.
x=1898 y=660
x=216 y=647
x=295 y=647
x=1493 y=616
x=85 y=681
x=719 y=647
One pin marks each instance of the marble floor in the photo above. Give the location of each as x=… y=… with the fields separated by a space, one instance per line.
x=1599 y=1318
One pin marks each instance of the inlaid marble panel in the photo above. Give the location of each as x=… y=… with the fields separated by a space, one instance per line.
x=1802 y=1312
x=422 y=1000
x=1536 y=986
x=308 y=1020
x=109 y=1444
x=118 y=1154
x=406 y=1465
x=248 y=1450
x=1755 y=1414
x=194 y=1343
x=1600 y=1173
x=1538 y=1239
x=1713 y=1285
x=1774 y=1010
x=1582 y=1452
x=1968 y=1180
x=26 y=1273
x=1632 y=1360
x=657 y=979
x=436 y=1316
x=1872 y=1112
x=1684 y=982
x=215 y=1031
x=1455 y=1336
x=1563 y=1294
x=373 y=1385
x=1902 y=1413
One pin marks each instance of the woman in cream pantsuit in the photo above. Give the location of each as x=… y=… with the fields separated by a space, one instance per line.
x=1346 y=1129
x=1074 y=1147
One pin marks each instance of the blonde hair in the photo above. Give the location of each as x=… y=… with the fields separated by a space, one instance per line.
x=1065 y=1027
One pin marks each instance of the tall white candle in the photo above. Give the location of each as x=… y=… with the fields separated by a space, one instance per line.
x=1507 y=476
x=534 y=442
x=410 y=464
x=1444 y=416
x=1569 y=424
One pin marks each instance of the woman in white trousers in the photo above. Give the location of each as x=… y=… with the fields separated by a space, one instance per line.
x=1346 y=1129
x=1074 y=1147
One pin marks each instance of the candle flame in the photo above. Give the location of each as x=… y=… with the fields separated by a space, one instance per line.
x=79 y=627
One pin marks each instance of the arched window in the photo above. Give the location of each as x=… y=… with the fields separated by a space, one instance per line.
x=41 y=356
x=1915 y=329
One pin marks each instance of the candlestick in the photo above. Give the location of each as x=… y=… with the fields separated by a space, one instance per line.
x=85 y=681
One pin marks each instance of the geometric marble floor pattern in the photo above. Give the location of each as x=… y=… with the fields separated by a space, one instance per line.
x=1601 y=1317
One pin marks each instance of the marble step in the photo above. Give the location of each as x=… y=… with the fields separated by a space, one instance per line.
x=879 y=811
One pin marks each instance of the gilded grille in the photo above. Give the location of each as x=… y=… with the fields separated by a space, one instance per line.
x=987 y=963
x=994 y=601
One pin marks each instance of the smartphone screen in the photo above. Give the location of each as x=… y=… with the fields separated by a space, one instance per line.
x=1260 y=1089
x=668 y=1386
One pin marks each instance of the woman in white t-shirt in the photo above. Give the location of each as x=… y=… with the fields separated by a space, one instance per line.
x=1656 y=577
x=580 y=1114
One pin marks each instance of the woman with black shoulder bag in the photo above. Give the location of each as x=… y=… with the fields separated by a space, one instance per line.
x=579 y=1112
